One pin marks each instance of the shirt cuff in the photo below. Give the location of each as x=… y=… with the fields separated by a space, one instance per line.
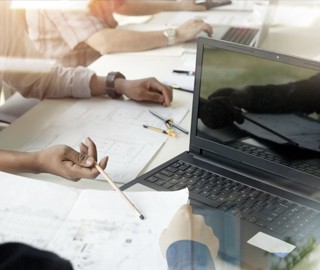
x=187 y=254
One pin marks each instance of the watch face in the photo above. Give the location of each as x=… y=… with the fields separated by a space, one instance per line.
x=171 y=35
x=171 y=32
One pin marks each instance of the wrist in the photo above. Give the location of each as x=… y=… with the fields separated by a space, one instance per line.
x=29 y=162
x=113 y=84
x=170 y=34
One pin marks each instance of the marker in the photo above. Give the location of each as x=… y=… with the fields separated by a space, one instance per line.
x=185 y=72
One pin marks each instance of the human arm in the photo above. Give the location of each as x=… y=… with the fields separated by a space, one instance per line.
x=58 y=81
x=111 y=40
x=301 y=96
x=188 y=242
x=145 y=7
x=59 y=160
x=224 y=105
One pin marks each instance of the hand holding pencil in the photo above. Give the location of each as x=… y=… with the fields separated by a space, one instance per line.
x=89 y=148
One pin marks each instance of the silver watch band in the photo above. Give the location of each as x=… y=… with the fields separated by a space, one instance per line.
x=170 y=34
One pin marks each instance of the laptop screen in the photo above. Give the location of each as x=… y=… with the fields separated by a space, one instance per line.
x=256 y=108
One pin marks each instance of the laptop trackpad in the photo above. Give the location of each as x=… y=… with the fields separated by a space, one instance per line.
x=271 y=244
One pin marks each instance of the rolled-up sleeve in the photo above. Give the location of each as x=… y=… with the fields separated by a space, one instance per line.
x=59 y=82
x=54 y=82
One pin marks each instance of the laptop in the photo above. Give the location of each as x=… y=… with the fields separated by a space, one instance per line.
x=262 y=205
x=252 y=36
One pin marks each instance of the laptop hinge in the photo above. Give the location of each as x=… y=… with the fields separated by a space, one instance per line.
x=195 y=150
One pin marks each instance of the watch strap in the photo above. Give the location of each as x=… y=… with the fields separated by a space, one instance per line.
x=170 y=34
x=110 y=88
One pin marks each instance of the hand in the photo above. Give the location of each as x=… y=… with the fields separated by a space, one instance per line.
x=190 y=29
x=218 y=112
x=186 y=226
x=149 y=89
x=64 y=161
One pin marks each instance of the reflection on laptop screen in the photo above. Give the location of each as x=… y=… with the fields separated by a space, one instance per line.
x=274 y=130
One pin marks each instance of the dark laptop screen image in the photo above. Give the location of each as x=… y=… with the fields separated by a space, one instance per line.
x=260 y=111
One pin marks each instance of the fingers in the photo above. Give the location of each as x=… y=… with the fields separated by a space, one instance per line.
x=184 y=211
x=92 y=149
x=80 y=159
x=192 y=28
x=159 y=92
x=89 y=148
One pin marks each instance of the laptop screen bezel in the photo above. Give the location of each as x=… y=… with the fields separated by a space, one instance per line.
x=199 y=144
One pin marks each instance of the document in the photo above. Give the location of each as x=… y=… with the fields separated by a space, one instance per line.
x=116 y=126
x=94 y=229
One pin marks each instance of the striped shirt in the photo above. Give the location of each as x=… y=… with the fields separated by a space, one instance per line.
x=61 y=34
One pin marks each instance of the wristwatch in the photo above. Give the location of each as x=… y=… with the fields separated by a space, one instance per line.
x=110 y=89
x=170 y=33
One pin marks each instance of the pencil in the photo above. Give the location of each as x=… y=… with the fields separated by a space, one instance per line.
x=114 y=186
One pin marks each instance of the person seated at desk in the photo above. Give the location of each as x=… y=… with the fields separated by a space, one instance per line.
x=79 y=37
x=60 y=82
x=188 y=243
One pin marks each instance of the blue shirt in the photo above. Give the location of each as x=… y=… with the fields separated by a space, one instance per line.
x=189 y=255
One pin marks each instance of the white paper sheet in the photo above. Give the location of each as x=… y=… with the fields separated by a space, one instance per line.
x=94 y=229
x=116 y=126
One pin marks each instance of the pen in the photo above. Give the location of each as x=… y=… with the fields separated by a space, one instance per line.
x=186 y=72
x=177 y=87
x=167 y=121
x=108 y=179
x=159 y=130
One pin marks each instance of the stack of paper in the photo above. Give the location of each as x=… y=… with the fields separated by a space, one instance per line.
x=94 y=229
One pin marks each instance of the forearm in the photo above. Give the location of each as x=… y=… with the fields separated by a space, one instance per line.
x=18 y=162
x=121 y=40
x=300 y=96
x=145 y=7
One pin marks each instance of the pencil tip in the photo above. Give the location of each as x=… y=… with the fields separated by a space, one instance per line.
x=141 y=217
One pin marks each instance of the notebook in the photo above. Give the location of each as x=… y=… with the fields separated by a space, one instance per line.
x=252 y=36
x=260 y=197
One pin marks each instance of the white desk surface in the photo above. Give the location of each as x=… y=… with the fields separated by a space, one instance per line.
x=143 y=65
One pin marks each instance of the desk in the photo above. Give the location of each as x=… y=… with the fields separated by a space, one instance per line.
x=134 y=66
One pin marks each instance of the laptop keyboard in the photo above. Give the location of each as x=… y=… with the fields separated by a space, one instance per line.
x=241 y=35
x=273 y=156
x=255 y=206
